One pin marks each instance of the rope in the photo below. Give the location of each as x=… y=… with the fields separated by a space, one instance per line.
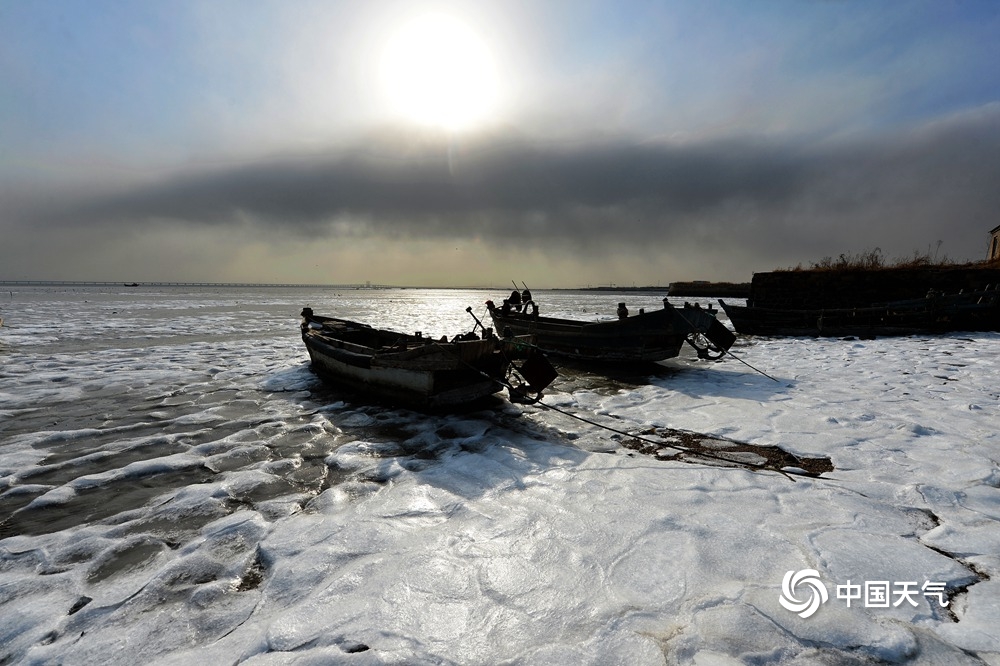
x=686 y=321
x=683 y=449
x=751 y=367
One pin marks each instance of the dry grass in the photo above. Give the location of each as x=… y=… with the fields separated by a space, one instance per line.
x=875 y=260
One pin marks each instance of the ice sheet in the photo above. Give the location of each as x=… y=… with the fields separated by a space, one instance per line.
x=180 y=486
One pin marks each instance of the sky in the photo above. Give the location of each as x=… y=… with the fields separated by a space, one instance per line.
x=556 y=142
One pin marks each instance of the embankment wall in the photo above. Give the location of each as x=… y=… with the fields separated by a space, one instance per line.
x=856 y=288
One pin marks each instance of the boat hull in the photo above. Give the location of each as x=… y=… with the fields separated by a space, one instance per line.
x=400 y=369
x=647 y=337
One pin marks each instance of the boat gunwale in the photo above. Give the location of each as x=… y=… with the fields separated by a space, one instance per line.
x=421 y=373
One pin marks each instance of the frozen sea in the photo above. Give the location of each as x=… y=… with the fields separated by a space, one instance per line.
x=176 y=486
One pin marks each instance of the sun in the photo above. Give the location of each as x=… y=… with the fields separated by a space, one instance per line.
x=437 y=71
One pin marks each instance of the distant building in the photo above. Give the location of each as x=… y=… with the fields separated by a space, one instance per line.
x=994 y=253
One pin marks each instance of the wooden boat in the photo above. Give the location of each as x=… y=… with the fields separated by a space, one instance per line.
x=405 y=369
x=647 y=336
x=936 y=313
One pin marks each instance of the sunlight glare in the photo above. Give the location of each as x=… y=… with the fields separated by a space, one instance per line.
x=437 y=71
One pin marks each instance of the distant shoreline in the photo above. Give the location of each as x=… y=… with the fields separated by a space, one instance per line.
x=673 y=289
x=119 y=283
x=701 y=289
x=609 y=288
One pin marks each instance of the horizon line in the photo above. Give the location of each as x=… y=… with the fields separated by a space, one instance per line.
x=351 y=285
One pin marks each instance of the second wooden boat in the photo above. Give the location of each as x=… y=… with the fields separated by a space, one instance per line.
x=648 y=336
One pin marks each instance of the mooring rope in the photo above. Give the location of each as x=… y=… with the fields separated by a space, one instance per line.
x=688 y=322
x=677 y=447
x=730 y=464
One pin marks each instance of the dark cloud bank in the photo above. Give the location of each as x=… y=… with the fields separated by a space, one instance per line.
x=802 y=197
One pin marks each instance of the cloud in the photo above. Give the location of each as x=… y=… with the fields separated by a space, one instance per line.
x=778 y=197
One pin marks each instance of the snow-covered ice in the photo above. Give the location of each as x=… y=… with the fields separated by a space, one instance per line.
x=176 y=485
